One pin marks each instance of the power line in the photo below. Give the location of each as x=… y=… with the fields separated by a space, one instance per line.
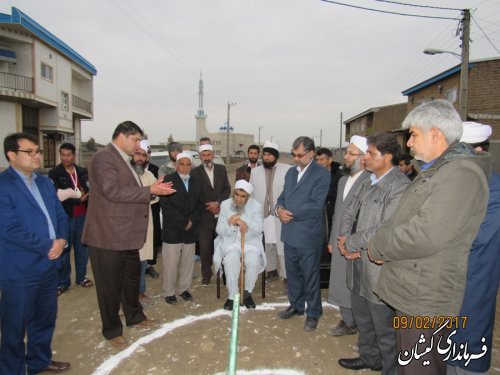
x=389 y=12
x=415 y=5
x=486 y=36
x=154 y=35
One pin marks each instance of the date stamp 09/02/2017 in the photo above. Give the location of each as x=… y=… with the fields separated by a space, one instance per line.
x=429 y=322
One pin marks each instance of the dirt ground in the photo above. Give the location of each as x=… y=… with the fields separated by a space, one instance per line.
x=194 y=336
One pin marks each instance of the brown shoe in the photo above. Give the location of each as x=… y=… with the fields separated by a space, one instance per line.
x=57 y=367
x=119 y=342
x=147 y=324
x=342 y=329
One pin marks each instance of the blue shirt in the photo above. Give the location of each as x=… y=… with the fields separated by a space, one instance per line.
x=33 y=188
x=375 y=180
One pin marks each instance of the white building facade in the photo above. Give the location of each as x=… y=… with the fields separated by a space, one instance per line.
x=46 y=87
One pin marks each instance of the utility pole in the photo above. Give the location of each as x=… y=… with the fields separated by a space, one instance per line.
x=464 y=68
x=320 y=137
x=260 y=127
x=228 y=156
x=340 y=139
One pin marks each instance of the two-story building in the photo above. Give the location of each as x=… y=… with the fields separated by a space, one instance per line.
x=46 y=87
x=377 y=119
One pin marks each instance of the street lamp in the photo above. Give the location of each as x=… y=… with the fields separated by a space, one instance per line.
x=464 y=63
x=435 y=51
x=260 y=127
x=228 y=156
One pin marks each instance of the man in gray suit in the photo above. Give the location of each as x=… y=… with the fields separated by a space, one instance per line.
x=372 y=205
x=300 y=209
x=115 y=230
x=338 y=293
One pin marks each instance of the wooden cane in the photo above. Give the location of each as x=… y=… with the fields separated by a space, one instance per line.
x=242 y=268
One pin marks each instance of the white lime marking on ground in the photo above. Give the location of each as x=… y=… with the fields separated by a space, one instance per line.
x=115 y=360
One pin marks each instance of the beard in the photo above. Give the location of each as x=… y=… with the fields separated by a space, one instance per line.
x=253 y=160
x=355 y=168
x=139 y=168
x=208 y=163
x=238 y=208
x=269 y=164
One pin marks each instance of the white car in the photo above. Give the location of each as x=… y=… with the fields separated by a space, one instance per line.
x=159 y=158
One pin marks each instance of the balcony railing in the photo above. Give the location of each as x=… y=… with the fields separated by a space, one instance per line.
x=16 y=82
x=81 y=104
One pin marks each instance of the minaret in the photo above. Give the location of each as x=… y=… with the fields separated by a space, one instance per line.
x=201 y=117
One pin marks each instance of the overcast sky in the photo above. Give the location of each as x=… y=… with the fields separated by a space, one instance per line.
x=292 y=66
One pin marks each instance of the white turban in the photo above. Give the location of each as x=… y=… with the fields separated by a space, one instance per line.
x=183 y=155
x=475 y=132
x=144 y=145
x=205 y=148
x=359 y=142
x=244 y=185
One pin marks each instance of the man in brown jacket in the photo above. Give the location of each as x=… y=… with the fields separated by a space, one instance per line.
x=115 y=230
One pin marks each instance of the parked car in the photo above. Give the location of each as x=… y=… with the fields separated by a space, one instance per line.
x=160 y=157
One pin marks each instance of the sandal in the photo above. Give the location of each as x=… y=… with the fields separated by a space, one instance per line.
x=61 y=290
x=86 y=283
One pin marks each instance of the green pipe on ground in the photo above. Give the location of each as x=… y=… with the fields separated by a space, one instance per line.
x=233 y=343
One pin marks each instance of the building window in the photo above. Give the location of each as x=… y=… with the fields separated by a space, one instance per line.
x=64 y=101
x=451 y=95
x=47 y=72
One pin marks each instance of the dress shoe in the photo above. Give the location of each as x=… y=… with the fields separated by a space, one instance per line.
x=289 y=312
x=186 y=296
x=228 y=305
x=310 y=324
x=145 y=301
x=57 y=367
x=248 y=300
x=358 y=364
x=119 y=342
x=272 y=276
x=205 y=282
x=285 y=285
x=147 y=324
x=152 y=272
x=171 y=300
x=342 y=329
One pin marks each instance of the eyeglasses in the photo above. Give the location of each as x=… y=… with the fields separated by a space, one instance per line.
x=351 y=153
x=299 y=156
x=31 y=152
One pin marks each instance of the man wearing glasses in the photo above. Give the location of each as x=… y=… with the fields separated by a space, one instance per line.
x=32 y=238
x=300 y=210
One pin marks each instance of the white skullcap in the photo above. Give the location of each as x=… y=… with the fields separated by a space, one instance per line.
x=144 y=144
x=474 y=132
x=270 y=144
x=359 y=142
x=182 y=155
x=244 y=185
x=205 y=148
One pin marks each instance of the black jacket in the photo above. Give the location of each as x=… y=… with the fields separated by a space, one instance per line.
x=179 y=208
x=62 y=180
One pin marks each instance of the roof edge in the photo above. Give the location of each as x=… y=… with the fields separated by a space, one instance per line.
x=19 y=17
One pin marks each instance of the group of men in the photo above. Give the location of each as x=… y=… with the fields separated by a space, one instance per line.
x=400 y=249
x=400 y=244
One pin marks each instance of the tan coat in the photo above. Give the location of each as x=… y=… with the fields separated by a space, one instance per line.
x=146 y=253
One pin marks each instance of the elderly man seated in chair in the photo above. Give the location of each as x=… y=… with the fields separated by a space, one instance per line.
x=240 y=216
